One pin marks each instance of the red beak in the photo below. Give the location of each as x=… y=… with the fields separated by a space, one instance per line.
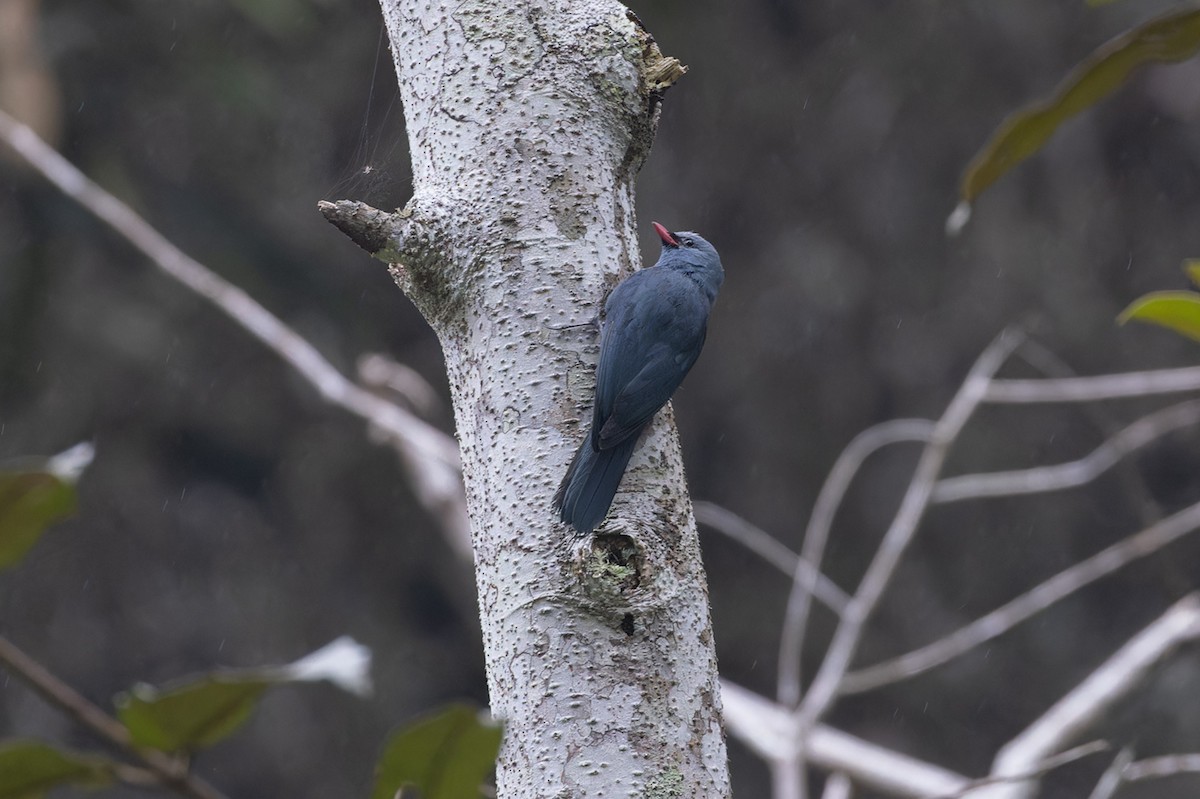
x=667 y=236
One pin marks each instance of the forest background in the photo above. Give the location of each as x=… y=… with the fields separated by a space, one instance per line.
x=231 y=517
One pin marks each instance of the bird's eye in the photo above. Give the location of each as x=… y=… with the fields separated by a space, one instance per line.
x=688 y=242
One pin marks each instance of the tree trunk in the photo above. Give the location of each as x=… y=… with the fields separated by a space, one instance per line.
x=528 y=122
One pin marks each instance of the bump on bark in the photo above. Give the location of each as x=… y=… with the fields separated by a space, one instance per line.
x=367 y=227
x=661 y=71
x=658 y=73
x=416 y=244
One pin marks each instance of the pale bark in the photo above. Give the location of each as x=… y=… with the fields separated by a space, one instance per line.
x=527 y=124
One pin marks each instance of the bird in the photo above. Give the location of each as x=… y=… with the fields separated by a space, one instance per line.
x=654 y=326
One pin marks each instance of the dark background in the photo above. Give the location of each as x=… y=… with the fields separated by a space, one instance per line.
x=231 y=518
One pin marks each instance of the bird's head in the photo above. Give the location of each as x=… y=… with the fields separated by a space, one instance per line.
x=692 y=253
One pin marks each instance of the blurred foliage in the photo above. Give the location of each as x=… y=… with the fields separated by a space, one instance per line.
x=196 y=712
x=1174 y=310
x=446 y=755
x=441 y=755
x=191 y=716
x=29 y=769
x=29 y=503
x=1172 y=37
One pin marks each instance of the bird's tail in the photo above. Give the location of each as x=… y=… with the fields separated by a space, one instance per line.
x=591 y=483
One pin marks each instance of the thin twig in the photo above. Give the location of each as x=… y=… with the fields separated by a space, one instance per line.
x=1074 y=473
x=1093 y=697
x=768 y=548
x=1007 y=616
x=168 y=771
x=1165 y=766
x=62 y=695
x=1113 y=776
x=820 y=522
x=1092 y=389
x=376 y=370
x=429 y=455
x=1046 y=766
x=136 y=776
x=771 y=730
x=847 y=636
x=1051 y=365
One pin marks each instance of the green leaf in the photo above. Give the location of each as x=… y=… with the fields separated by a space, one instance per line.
x=444 y=756
x=191 y=715
x=28 y=769
x=29 y=503
x=1191 y=268
x=1169 y=38
x=197 y=712
x=1177 y=310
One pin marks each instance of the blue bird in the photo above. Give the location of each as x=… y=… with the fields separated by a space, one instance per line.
x=653 y=329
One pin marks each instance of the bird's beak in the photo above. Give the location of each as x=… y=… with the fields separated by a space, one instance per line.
x=668 y=238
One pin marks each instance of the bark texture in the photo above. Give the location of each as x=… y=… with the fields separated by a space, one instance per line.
x=528 y=123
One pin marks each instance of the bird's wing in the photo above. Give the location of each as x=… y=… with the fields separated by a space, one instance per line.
x=647 y=392
x=653 y=333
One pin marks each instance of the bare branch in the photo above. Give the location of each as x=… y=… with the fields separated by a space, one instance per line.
x=771 y=730
x=820 y=522
x=838 y=786
x=1153 y=768
x=876 y=767
x=1088 y=701
x=1092 y=389
x=1004 y=618
x=429 y=455
x=368 y=227
x=168 y=772
x=1074 y=473
x=1102 y=415
x=768 y=548
x=377 y=370
x=1113 y=776
x=788 y=777
x=846 y=638
x=1044 y=767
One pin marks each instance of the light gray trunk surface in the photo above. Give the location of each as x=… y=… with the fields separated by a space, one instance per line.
x=528 y=123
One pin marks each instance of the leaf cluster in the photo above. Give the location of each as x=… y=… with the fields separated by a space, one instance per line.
x=446 y=755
